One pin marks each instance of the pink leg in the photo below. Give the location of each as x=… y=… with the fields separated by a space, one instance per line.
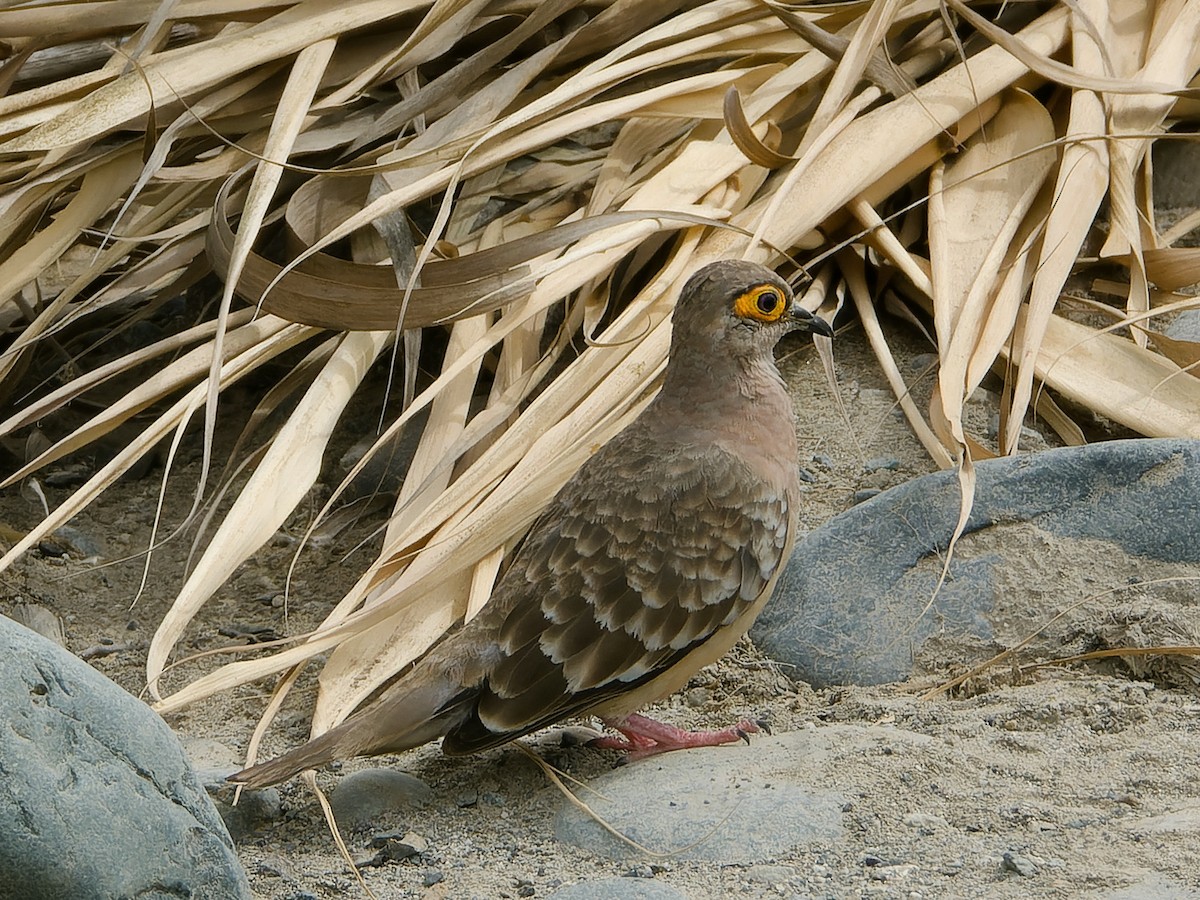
x=644 y=736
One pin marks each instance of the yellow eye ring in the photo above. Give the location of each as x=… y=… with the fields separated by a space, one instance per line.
x=763 y=303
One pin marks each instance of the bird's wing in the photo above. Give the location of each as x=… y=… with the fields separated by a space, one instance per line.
x=621 y=579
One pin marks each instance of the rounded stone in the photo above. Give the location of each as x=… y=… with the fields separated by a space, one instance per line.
x=96 y=796
x=732 y=806
x=860 y=596
x=375 y=796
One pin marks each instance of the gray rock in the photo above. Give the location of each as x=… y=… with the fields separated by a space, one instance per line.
x=881 y=463
x=926 y=823
x=40 y=619
x=384 y=472
x=892 y=873
x=1015 y=862
x=825 y=461
x=853 y=605
x=393 y=848
x=214 y=762
x=923 y=362
x=252 y=811
x=618 y=889
x=377 y=796
x=736 y=805
x=1185 y=326
x=97 y=800
x=430 y=877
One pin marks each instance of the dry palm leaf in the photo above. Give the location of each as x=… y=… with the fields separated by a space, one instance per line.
x=547 y=175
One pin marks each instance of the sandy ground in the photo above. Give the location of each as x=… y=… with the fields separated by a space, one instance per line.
x=1086 y=774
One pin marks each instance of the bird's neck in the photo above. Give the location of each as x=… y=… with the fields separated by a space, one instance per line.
x=700 y=382
x=742 y=405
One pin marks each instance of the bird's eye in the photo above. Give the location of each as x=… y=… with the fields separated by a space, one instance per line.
x=763 y=303
x=767 y=303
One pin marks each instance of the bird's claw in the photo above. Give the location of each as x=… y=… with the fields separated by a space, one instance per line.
x=747 y=727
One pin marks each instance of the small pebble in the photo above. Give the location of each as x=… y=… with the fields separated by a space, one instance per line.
x=40 y=619
x=371 y=795
x=391 y=849
x=432 y=877
x=896 y=872
x=272 y=868
x=884 y=463
x=1015 y=862
x=923 y=361
x=876 y=395
x=572 y=736
x=254 y=809
x=409 y=839
x=925 y=822
x=52 y=549
x=467 y=799
x=866 y=494
x=71 y=541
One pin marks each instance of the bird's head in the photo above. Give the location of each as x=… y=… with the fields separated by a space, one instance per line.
x=738 y=309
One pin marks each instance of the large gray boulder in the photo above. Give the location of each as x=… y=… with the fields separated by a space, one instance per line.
x=97 y=800
x=857 y=602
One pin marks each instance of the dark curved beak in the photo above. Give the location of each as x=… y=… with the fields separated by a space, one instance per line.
x=803 y=320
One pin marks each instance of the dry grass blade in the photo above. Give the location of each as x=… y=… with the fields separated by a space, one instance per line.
x=181 y=373
x=975 y=211
x=77 y=387
x=1172 y=268
x=281 y=480
x=1129 y=384
x=100 y=188
x=1087 y=171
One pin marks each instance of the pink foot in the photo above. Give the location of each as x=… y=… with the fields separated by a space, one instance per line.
x=644 y=736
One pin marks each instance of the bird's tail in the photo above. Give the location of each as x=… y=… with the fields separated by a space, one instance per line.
x=420 y=708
